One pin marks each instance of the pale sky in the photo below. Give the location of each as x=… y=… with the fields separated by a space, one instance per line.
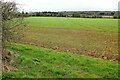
x=68 y=5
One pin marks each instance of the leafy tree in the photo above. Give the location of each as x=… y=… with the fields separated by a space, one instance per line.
x=26 y=12
x=115 y=17
x=38 y=14
x=102 y=13
x=60 y=14
x=23 y=12
x=82 y=16
x=75 y=14
x=112 y=13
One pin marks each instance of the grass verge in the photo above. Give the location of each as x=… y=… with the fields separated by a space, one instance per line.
x=35 y=62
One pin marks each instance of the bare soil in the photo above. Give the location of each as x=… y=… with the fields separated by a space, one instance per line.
x=99 y=44
x=8 y=58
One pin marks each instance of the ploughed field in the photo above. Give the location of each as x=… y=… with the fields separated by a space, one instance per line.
x=71 y=48
x=86 y=36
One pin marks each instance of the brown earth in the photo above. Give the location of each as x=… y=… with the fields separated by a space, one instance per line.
x=8 y=58
x=99 y=44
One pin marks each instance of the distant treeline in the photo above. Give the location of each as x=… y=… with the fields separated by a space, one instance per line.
x=81 y=14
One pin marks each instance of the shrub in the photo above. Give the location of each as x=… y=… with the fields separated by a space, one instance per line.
x=13 y=23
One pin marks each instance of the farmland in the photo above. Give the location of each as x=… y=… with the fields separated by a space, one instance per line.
x=93 y=37
x=57 y=47
x=79 y=23
x=45 y=63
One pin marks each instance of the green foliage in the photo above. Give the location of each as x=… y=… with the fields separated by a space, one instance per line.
x=35 y=62
x=75 y=14
x=115 y=17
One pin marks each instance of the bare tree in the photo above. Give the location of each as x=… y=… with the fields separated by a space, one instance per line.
x=13 y=24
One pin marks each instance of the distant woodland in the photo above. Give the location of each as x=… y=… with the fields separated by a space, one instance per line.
x=79 y=14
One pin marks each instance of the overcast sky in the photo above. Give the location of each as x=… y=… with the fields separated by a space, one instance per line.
x=68 y=5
